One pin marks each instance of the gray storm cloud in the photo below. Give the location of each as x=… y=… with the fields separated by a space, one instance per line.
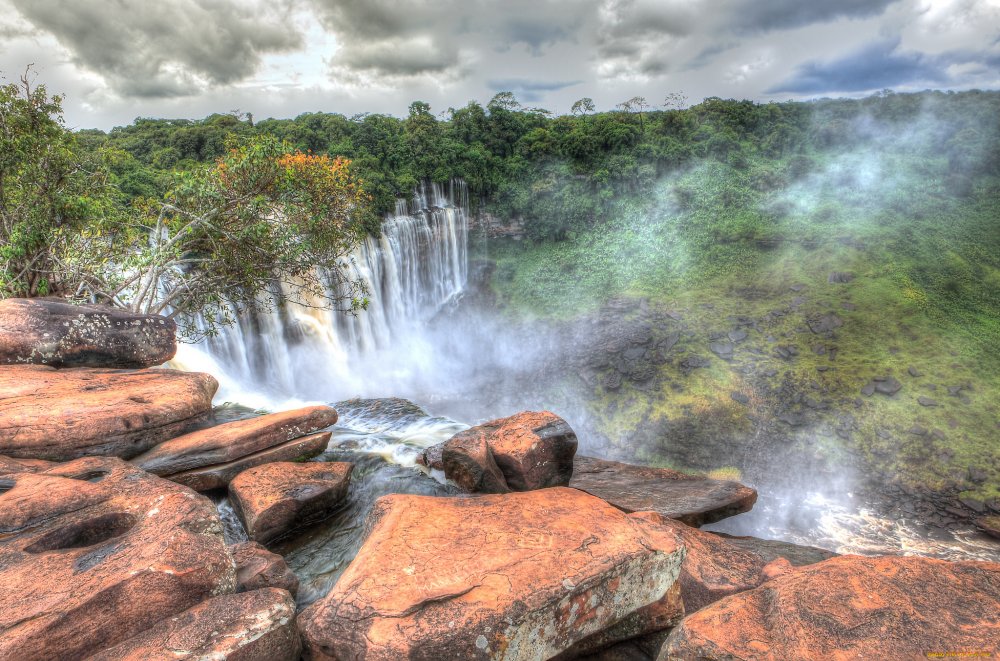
x=164 y=49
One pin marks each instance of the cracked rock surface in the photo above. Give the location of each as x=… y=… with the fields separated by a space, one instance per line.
x=95 y=551
x=511 y=576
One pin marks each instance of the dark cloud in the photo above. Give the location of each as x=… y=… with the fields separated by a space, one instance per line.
x=767 y=15
x=529 y=90
x=877 y=66
x=163 y=49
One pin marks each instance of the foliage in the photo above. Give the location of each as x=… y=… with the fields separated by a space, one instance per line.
x=262 y=224
x=49 y=189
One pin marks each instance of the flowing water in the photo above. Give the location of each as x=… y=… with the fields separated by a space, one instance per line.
x=419 y=341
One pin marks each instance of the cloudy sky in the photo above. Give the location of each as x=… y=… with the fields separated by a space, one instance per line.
x=119 y=59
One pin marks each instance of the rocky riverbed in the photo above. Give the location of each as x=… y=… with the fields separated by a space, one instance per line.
x=499 y=541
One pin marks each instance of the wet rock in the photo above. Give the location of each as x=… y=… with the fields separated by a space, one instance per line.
x=538 y=572
x=825 y=323
x=273 y=499
x=252 y=626
x=64 y=414
x=839 y=277
x=926 y=401
x=433 y=457
x=850 y=607
x=219 y=476
x=691 y=499
x=771 y=549
x=990 y=525
x=533 y=450
x=45 y=331
x=469 y=463
x=95 y=551
x=234 y=440
x=723 y=350
x=258 y=568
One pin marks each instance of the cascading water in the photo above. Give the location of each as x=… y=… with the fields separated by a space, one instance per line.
x=307 y=353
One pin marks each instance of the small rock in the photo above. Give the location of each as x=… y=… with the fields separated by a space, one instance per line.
x=723 y=350
x=737 y=335
x=258 y=568
x=868 y=390
x=914 y=372
x=797 y=287
x=273 y=499
x=887 y=385
x=839 y=277
x=926 y=401
x=739 y=397
x=825 y=323
x=917 y=430
x=251 y=626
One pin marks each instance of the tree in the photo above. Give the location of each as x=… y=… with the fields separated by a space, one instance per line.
x=583 y=106
x=261 y=225
x=48 y=189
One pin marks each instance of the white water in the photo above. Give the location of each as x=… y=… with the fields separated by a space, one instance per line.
x=306 y=353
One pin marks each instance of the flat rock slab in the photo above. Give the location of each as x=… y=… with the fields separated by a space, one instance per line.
x=45 y=331
x=9 y=465
x=252 y=626
x=771 y=549
x=517 y=576
x=851 y=607
x=274 y=499
x=691 y=499
x=65 y=414
x=233 y=440
x=95 y=551
x=258 y=568
x=220 y=475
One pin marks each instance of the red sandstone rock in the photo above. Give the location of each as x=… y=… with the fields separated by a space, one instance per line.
x=234 y=440
x=433 y=457
x=469 y=463
x=46 y=331
x=513 y=576
x=252 y=626
x=273 y=499
x=95 y=551
x=712 y=568
x=533 y=450
x=691 y=499
x=64 y=414
x=851 y=607
x=258 y=568
x=9 y=465
x=220 y=475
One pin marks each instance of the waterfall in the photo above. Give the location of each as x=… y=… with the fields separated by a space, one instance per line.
x=305 y=353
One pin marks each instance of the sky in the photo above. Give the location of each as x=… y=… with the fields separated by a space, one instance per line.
x=115 y=60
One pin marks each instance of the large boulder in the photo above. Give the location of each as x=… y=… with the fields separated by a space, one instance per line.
x=532 y=451
x=712 y=568
x=95 y=551
x=851 y=607
x=513 y=576
x=273 y=499
x=258 y=568
x=45 y=331
x=692 y=499
x=233 y=440
x=252 y=626
x=469 y=463
x=771 y=549
x=220 y=475
x=64 y=414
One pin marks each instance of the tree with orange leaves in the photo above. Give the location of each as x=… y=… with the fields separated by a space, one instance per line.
x=262 y=225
